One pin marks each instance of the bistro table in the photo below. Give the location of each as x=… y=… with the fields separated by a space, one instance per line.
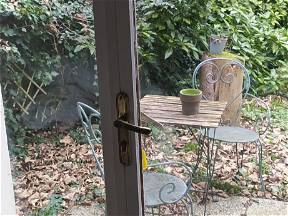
x=168 y=110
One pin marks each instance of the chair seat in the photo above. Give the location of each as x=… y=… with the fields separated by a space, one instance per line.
x=171 y=188
x=233 y=134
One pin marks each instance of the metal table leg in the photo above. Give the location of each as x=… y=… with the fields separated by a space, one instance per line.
x=210 y=160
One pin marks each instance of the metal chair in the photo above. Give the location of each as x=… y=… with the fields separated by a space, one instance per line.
x=211 y=73
x=160 y=188
x=90 y=117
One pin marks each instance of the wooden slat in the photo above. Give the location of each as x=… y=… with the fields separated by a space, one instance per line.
x=180 y=116
x=177 y=99
x=178 y=107
x=148 y=119
x=188 y=123
x=165 y=103
x=168 y=110
x=172 y=103
x=173 y=110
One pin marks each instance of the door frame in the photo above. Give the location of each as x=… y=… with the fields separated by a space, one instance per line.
x=7 y=205
x=115 y=31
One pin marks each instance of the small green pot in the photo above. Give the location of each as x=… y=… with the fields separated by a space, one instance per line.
x=190 y=99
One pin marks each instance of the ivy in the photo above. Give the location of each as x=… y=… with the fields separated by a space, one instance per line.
x=39 y=37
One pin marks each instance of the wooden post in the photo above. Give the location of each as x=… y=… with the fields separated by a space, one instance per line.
x=227 y=88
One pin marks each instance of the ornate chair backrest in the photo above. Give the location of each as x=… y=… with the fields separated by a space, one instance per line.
x=222 y=79
x=90 y=119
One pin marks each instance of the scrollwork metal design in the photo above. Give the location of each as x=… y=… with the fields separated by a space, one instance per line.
x=219 y=74
x=165 y=189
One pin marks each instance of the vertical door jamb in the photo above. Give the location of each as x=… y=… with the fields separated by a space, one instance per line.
x=117 y=65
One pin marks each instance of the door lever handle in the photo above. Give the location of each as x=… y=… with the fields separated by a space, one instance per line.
x=122 y=105
x=126 y=125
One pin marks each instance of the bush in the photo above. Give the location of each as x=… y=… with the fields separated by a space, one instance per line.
x=174 y=34
x=37 y=37
x=171 y=40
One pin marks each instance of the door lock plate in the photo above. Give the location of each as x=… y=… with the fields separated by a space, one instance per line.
x=122 y=103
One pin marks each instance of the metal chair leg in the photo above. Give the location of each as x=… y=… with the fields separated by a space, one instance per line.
x=159 y=210
x=191 y=204
x=152 y=211
x=260 y=164
x=242 y=155
x=237 y=156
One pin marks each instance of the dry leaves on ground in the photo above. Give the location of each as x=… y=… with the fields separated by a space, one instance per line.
x=67 y=169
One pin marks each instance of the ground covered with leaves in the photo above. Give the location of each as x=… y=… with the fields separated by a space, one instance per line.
x=58 y=170
x=55 y=174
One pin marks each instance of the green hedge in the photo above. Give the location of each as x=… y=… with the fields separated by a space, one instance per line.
x=39 y=36
x=174 y=33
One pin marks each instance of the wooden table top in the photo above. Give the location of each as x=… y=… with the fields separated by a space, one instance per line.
x=168 y=110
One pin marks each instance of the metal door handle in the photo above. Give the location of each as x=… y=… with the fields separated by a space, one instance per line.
x=122 y=105
x=126 y=125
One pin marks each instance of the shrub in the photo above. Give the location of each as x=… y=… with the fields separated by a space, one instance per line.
x=174 y=34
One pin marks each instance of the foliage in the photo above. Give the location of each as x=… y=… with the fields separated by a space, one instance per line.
x=78 y=135
x=279 y=114
x=226 y=186
x=258 y=32
x=170 y=40
x=38 y=38
x=278 y=109
x=16 y=133
x=174 y=34
x=191 y=147
x=52 y=208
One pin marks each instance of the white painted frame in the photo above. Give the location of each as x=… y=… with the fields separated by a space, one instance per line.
x=7 y=193
x=117 y=65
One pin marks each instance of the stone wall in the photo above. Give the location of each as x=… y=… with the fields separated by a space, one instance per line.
x=58 y=107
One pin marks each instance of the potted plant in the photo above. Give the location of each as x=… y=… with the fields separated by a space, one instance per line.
x=190 y=99
x=217 y=43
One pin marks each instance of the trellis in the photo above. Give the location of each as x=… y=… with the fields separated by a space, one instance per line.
x=29 y=92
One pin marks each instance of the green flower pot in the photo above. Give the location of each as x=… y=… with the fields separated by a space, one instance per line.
x=190 y=99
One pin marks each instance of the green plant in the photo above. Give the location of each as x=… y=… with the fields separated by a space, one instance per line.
x=155 y=132
x=55 y=139
x=279 y=114
x=226 y=186
x=191 y=147
x=258 y=36
x=173 y=35
x=37 y=40
x=170 y=41
x=52 y=208
x=39 y=37
x=38 y=138
x=78 y=135
x=190 y=92
x=16 y=133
